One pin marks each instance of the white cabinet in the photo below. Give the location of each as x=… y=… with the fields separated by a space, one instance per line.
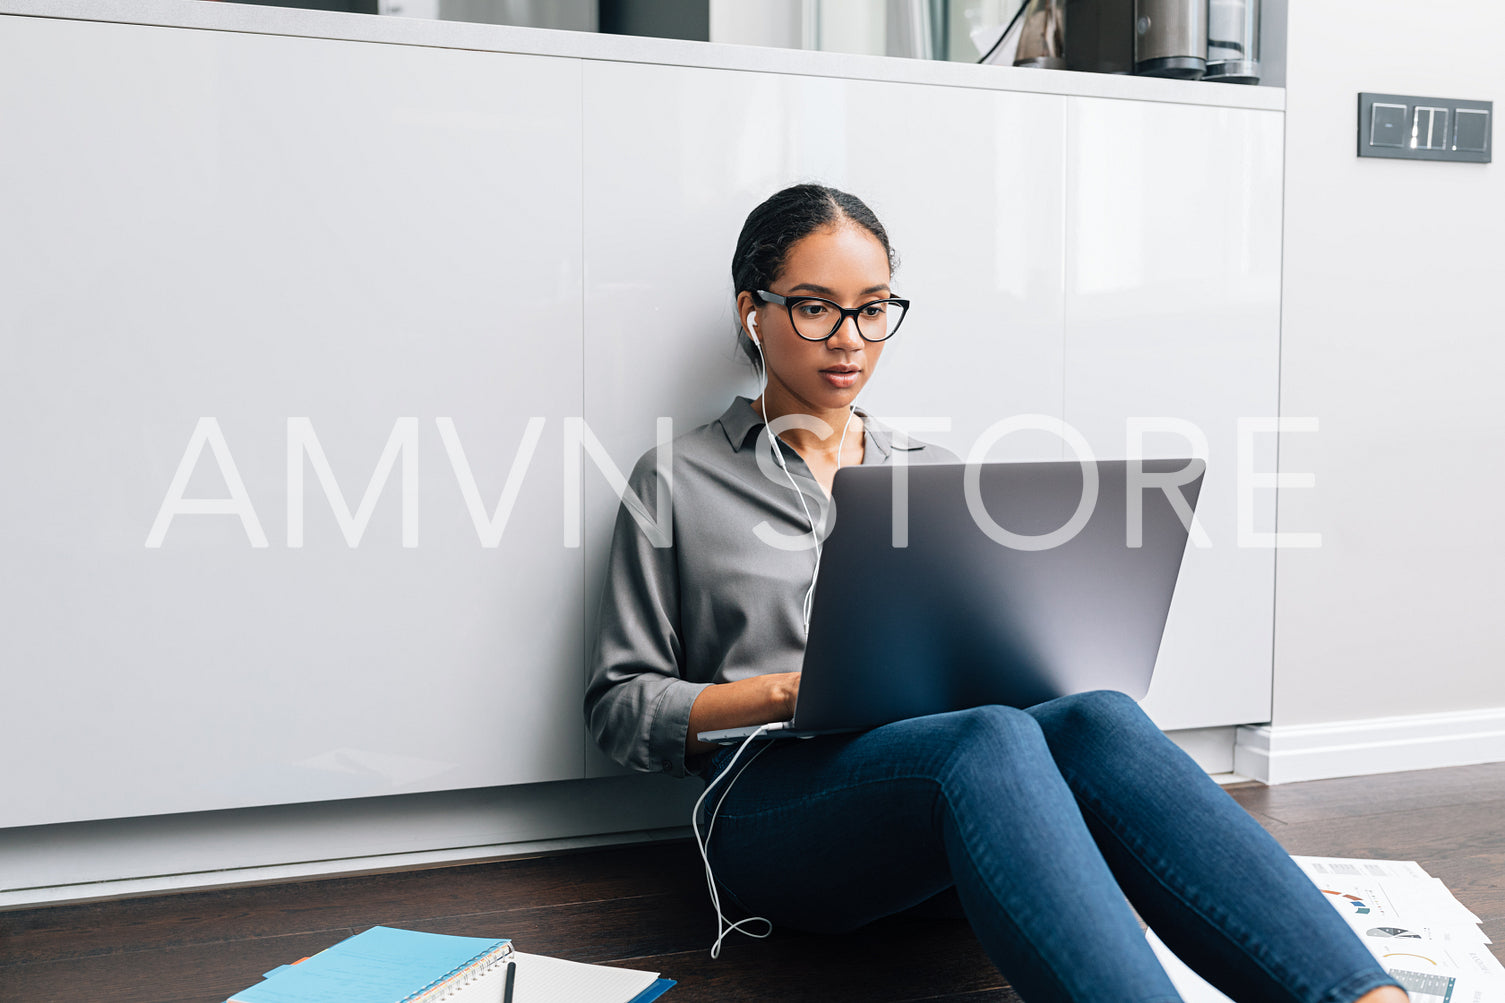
x=1173 y=310
x=254 y=228
x=380 y=238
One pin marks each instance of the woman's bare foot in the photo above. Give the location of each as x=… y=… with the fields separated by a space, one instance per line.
x=1385 y=994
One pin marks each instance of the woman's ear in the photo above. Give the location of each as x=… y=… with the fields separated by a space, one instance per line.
x=747 y=306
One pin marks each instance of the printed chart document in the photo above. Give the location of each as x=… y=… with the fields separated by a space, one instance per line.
x=1423 y=936
x=1392 y=898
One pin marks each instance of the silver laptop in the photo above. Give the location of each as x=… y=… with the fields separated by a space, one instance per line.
x=1006 y=588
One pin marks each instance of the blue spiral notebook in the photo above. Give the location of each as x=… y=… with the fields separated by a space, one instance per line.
x=387 y=965
x=383 y=965
x=653 y=992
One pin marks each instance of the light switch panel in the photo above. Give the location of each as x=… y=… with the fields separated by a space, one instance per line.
x=1387 y=125
x=1429 y=128
x=1418 y=128
x=1471 y=131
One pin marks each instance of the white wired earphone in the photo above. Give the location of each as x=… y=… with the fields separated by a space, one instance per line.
x=722 y=926
x=752 y=334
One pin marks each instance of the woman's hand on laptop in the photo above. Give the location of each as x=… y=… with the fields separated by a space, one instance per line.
x=756 y=700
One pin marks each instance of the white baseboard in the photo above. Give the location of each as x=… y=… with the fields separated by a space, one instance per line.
x=1282 y=754
x=110 y=858
x=303 y=870
x=1209 y=748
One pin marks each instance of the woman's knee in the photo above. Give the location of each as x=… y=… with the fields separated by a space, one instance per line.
x=993 y=723
x=1094 y=709
x=999 y=764
x=992 y=734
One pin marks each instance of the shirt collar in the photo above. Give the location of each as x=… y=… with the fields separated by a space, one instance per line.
x=742 y=419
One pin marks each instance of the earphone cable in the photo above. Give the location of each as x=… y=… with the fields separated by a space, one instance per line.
x=809 y=604
x=723 y=928
x=778 y=454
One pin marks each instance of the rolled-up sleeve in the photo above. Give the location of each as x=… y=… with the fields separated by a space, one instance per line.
x=637 y=702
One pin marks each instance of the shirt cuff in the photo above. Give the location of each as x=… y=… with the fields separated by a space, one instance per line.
x=669 y=726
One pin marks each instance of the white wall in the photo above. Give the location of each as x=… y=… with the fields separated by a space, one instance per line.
x=1391 y=338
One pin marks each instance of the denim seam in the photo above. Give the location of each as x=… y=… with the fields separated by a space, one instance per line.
x=800 y=803
x=1220 y=920
x=974 y=856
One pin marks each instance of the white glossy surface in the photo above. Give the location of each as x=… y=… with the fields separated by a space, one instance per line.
x=624 y=48
x=980 y=252
x=297 y=227
x=1173 y=309
x=256 y=228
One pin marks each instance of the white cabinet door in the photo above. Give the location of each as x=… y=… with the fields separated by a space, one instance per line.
x=1173 y=310
x=255 y=228
x=967 y=183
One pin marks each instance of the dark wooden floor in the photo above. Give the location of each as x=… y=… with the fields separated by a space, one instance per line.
x=645 y=907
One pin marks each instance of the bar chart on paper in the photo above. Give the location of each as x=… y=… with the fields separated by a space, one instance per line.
x=1425 y=988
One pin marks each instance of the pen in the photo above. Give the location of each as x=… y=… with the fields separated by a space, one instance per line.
x=511 y=978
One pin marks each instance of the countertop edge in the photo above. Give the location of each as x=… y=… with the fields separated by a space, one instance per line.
x=270 y=20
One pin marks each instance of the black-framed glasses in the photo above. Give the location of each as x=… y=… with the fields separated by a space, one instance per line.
x=816 y=319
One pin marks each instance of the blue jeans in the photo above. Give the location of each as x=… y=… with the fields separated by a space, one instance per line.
x=1044 y=820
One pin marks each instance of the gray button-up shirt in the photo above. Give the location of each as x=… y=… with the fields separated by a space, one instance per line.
x=718 y=603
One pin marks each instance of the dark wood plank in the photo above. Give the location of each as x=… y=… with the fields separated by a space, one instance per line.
x=1269 y=824
x=205 y=973
x=593 y=932
x=1368 y=795
x=1478 y=880
x=1425 y=835
x=897 y=960
x=85 y=930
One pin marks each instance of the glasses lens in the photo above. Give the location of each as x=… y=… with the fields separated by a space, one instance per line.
x=878 y=321
x=814 y=319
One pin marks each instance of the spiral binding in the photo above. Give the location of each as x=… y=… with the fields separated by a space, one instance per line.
x=452 y=983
